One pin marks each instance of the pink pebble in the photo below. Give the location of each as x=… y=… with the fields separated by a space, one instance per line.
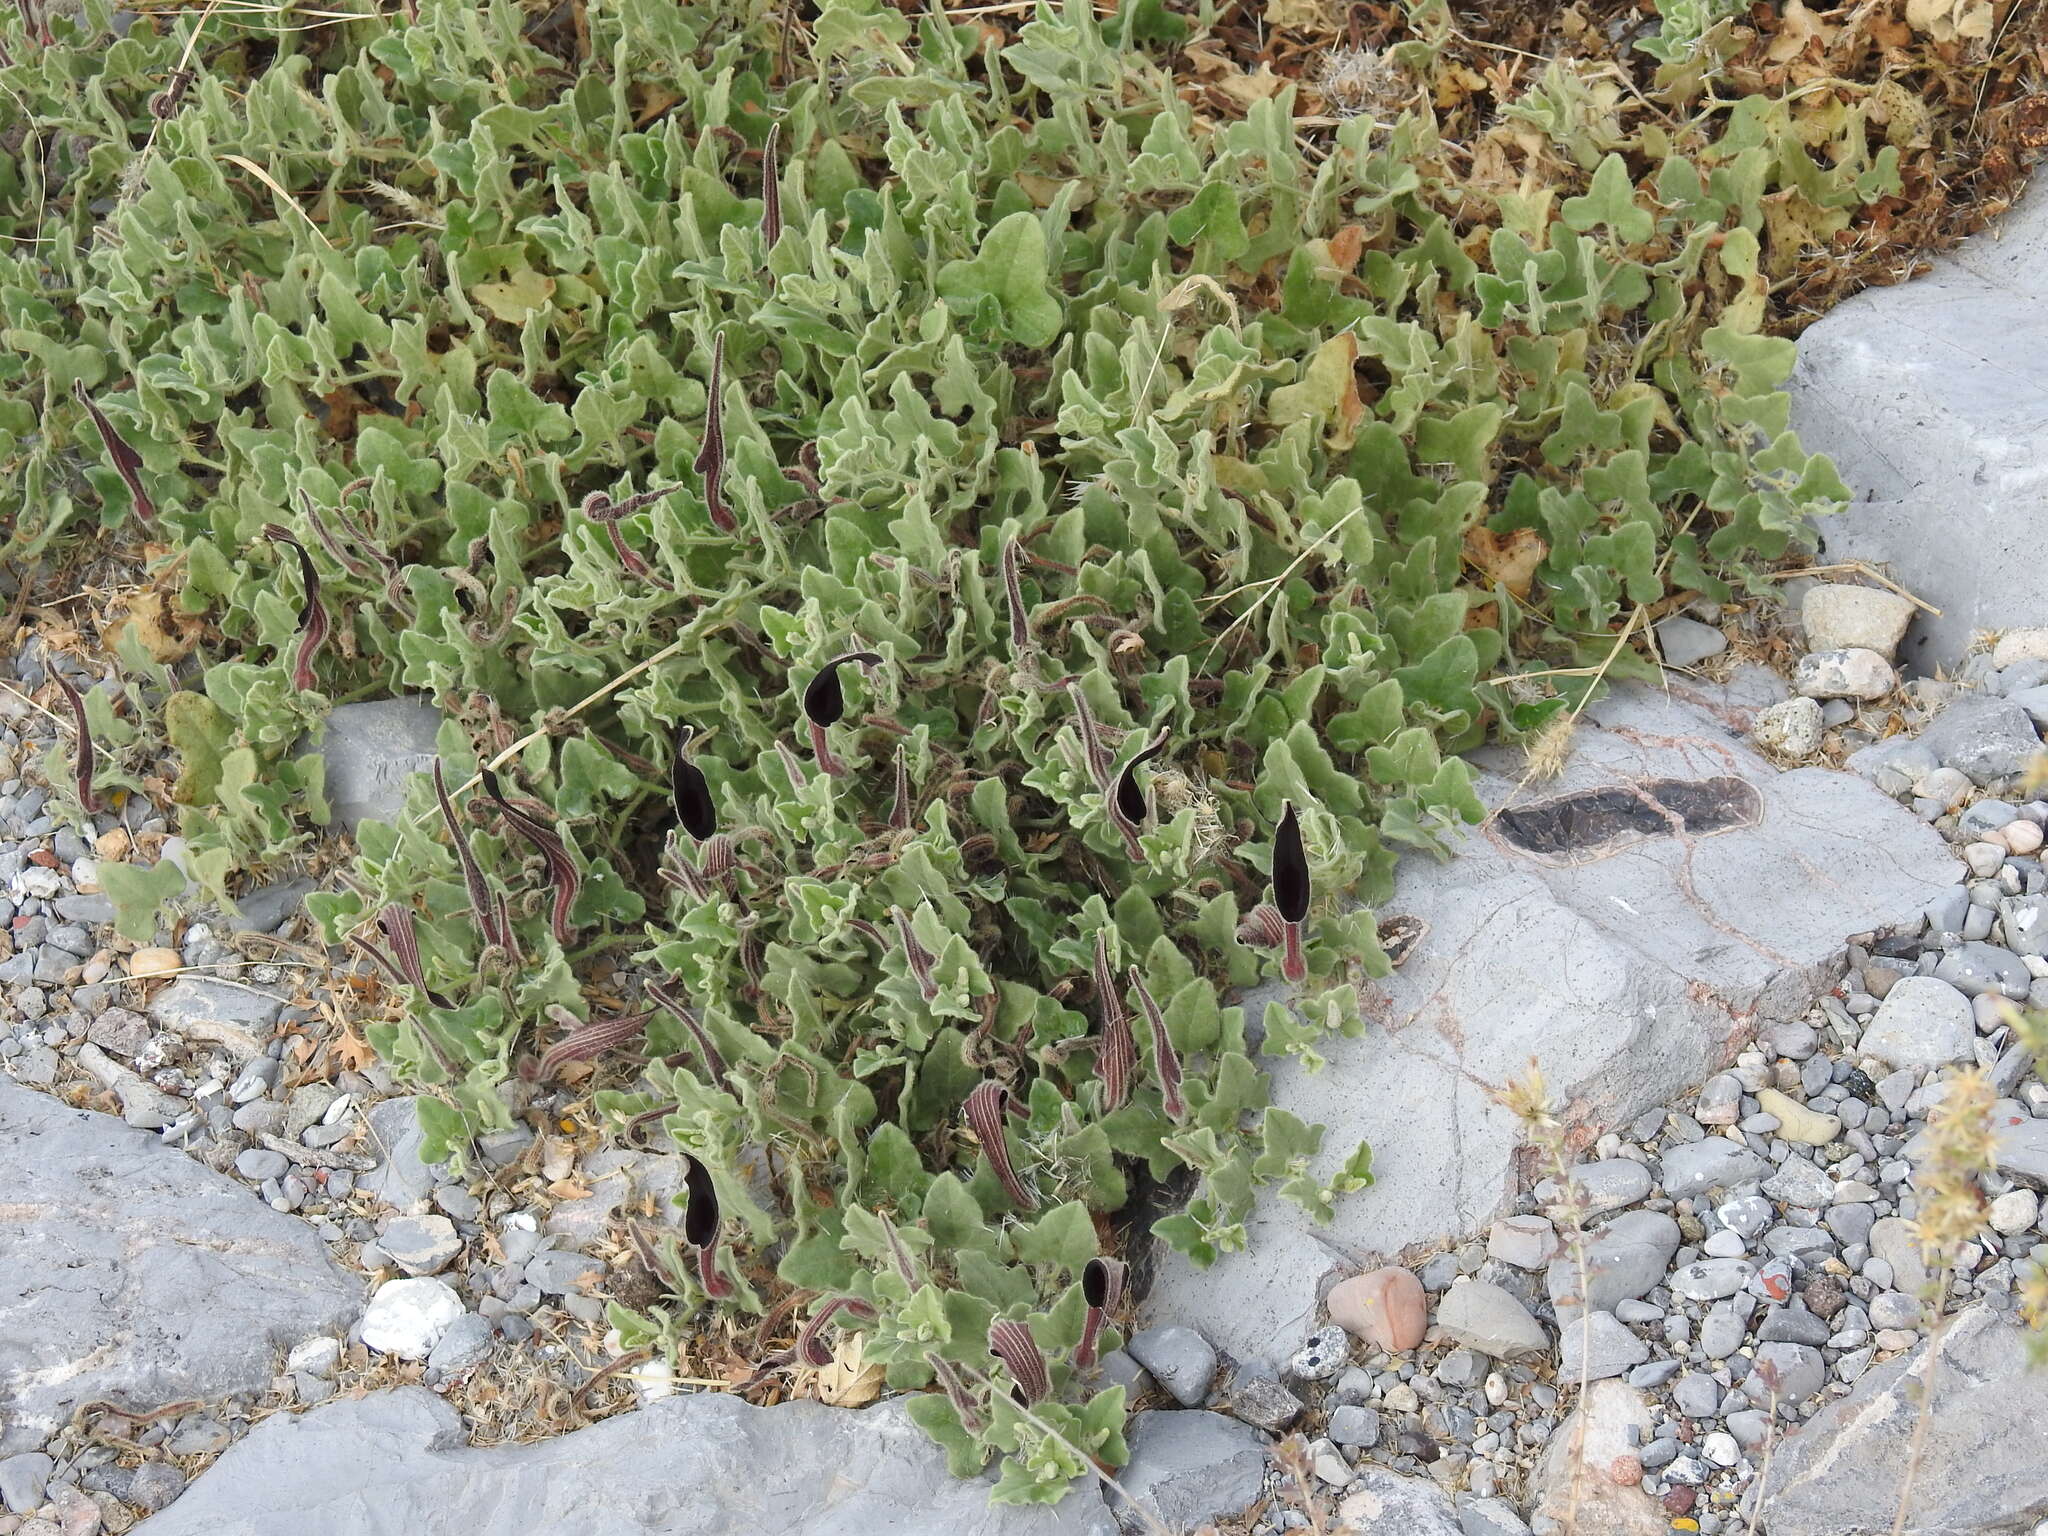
x=1386 y=1308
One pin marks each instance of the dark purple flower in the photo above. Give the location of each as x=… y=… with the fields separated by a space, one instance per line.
x=587 y=1040
x=312 y=616
x=397 y=924
x=1291 y=891
x=694 y=807
x=1102 y=1287
x=85 y=758
x=1127 y=802
x=163 y=106
x=601 y=509
x=771 y=198
x=714 y=1064
x=492 y=918
x=1165 y=1058
x=986 y=1108
x=1094 y=753
x=563 y=876
x=1013 y=586
x=919 y=958
x=810 y=1344
x=700 y=1226
x=328 y=541
x=1011 y=1342
x=825 y=703
x=1116 y=1048
x=127 y=462
x=956 y=1392
x=710 y=461
x=899 y=807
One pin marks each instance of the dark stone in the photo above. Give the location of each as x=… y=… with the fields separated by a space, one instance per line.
x=1599 y=820
x=1825 y=1296
x=1420 y=1446
x=1257 y=1398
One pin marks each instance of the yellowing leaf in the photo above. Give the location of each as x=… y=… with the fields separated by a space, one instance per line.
x=165 y=635
x=1327 y=393
x=1947 y=20
x=1304 y=15
x=849 y=1381
x=524 y=293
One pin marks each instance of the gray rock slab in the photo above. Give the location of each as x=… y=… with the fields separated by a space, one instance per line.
x=1180 y=1360
x=265 y=909
x=372 y=749
x=1382 y=1503
x=212 y=1011
x=1628 y=971
x=1192 y=1466
x=2019 y=1148
x=1982 y=1469
x=616 y=1178
x=1929 y=398
x=707 y=1464
x=400 y=1177
x=1597 y=1346
x=1922 y=1022
x=1622 y=1259
x=1987 y=738
x=1694 y=1167
x=129 y=1271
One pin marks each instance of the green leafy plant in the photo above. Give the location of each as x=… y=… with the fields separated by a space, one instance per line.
x=938 y=566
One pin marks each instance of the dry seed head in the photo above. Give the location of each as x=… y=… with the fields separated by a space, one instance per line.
x=1173 y=792
x=1551 y=746
x=1527 y=1098
x=1360 y=82
x=1959 y=1152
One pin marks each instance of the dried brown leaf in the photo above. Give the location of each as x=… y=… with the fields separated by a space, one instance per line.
x=1511 y=561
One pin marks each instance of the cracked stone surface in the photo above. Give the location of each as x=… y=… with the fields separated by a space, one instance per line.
x=372 y=749
x=707 y=1464
x=107 y=1236
x=1983 y=1464
x=1628 y=971
x=1932 y=399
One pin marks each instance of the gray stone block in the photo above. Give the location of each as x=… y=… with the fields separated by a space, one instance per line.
x=372 y=749
x=1982 y=1464
x=1193 y=1466
x=1932 y=399
x=109 y=1240
x=707 y=1463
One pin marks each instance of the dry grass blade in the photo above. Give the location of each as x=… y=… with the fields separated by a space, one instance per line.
x=283 y=196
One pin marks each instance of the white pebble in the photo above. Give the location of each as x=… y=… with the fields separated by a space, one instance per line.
x=406 y=1318
x=1724 y=1245
x=316 y=1357
x=1984 y=859
x=2014 y=1211
x=1720 y=1448
x=1847 y=674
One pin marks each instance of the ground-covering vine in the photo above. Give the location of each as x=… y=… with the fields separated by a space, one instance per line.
x=939 y=555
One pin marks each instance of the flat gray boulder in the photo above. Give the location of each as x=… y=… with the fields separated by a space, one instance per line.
x=1629 y=926
x=707 y=1464
x=1983 y=1469
x=131 y=1272
x=372 y=748
x=1932 y=399
x=1190 y=1467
